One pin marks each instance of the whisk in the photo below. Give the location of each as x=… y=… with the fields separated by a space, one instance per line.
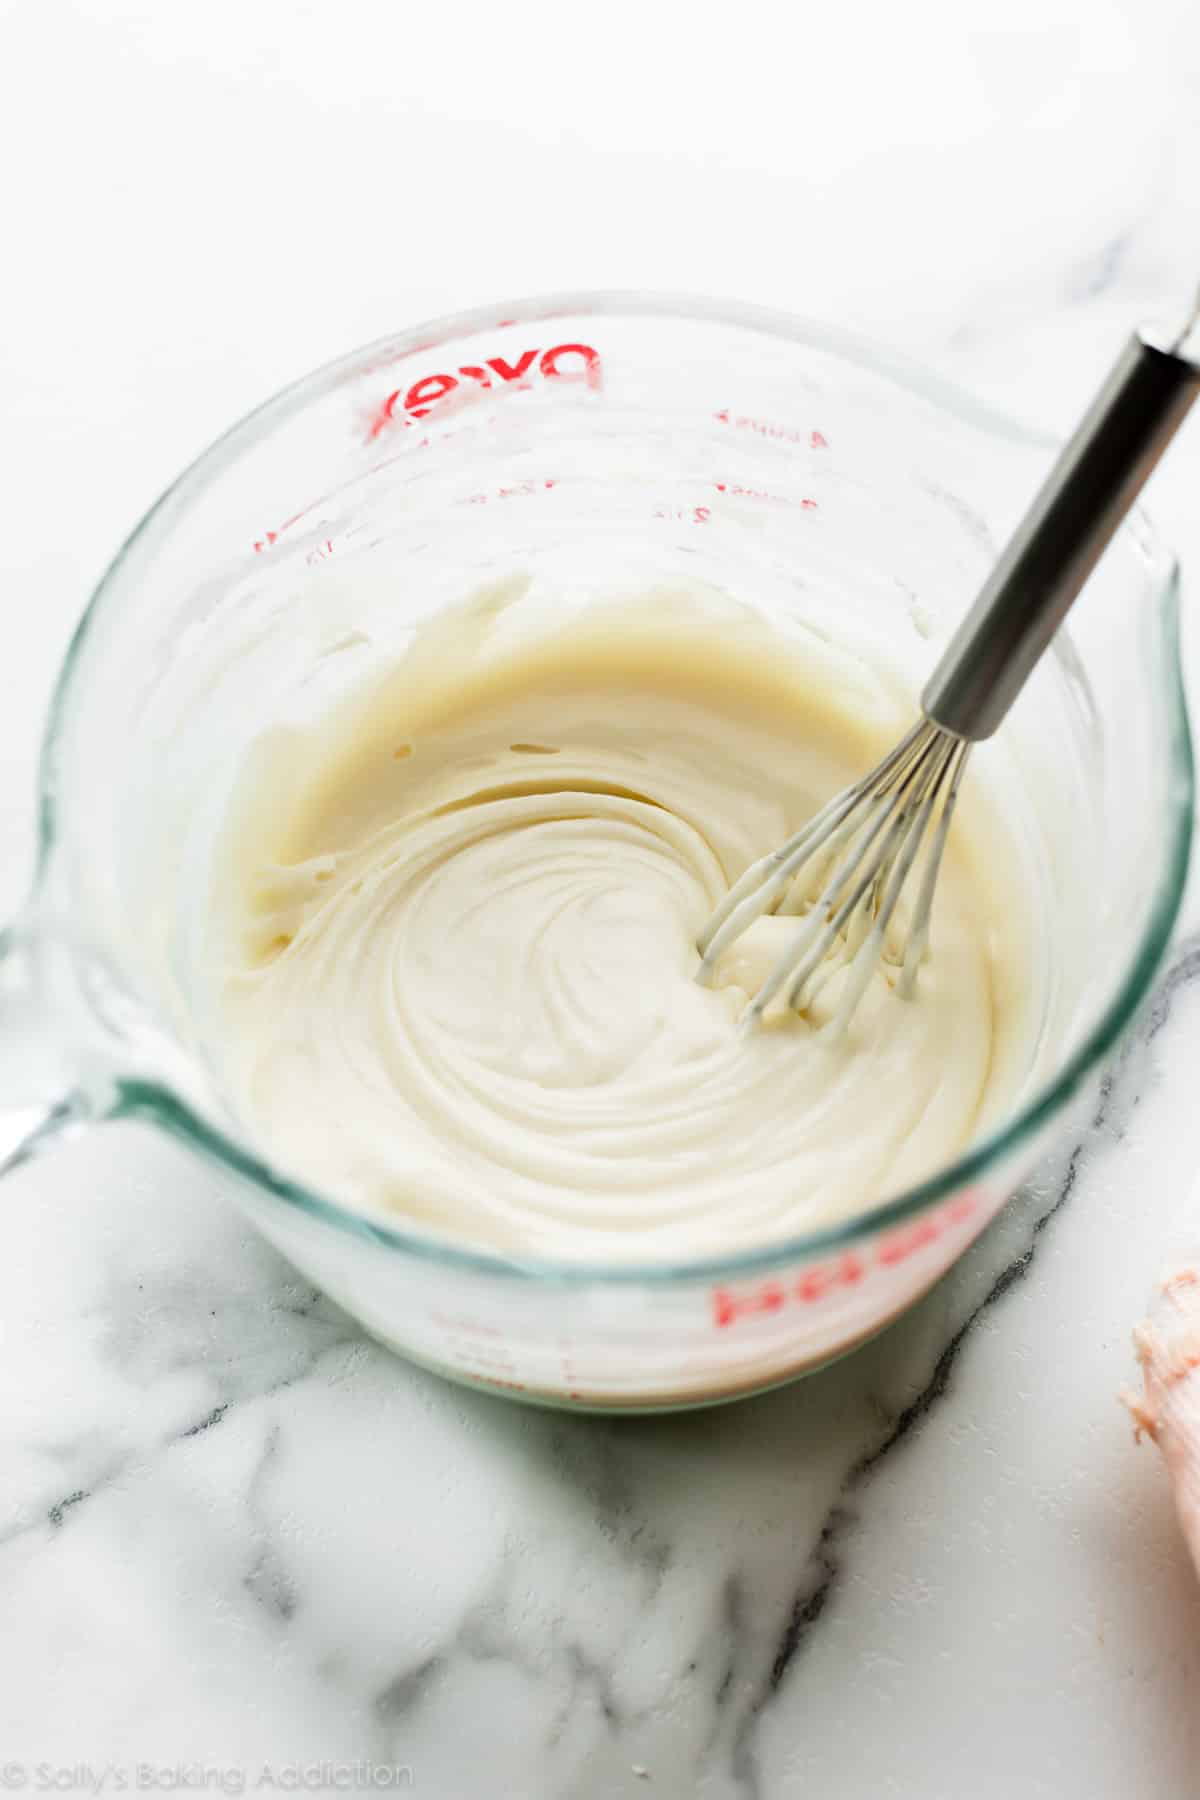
x=860 y=850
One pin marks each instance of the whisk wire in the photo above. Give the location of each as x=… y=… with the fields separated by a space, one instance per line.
x=917 y=944
x=869 y=837
x=878 y=891
x=762 y=886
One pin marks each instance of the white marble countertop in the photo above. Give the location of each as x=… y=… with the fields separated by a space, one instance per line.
x=236 y=1536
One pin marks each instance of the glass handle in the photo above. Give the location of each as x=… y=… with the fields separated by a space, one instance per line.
x=48 y=1084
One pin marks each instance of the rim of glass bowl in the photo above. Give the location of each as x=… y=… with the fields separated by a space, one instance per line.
x=149 y=1100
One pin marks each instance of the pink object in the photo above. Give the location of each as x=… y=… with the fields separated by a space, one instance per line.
x=1168 y=1409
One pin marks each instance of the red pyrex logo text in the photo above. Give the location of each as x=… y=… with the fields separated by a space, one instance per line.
x=852 y=1266
x=576 y=361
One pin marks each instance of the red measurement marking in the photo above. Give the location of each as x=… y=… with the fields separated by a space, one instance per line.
x=821 y=1279
x=484 y=1360
x=906 y=1242
x=814 y=1284
x=744 y=493
x=813 y=440
x=522 y=490
x=690 y=515
x=270 y=537
x=453 y=1322
x=574 y=362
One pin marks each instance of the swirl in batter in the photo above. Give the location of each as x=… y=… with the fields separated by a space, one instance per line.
x=461 y=918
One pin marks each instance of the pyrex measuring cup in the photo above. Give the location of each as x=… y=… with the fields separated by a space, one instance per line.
x=602 y=440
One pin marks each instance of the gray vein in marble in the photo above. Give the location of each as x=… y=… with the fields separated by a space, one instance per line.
x=108 y=1466
x=58 y=1511
x=207 y=1422
x=592 y=1462
x=1096 y=273
x=405 y=1691
x=489 y=1632
x=732 y=1627
x=268 y=1580
x=588 y=1672
x=1184 y=969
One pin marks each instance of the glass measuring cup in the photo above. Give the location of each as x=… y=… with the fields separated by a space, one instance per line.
x=607 y=442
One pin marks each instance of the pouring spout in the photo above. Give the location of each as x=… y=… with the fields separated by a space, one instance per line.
x=54 y=1075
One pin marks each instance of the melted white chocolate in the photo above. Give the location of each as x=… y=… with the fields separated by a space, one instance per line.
x=460 y=918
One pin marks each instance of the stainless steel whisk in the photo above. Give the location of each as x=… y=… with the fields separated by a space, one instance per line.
x=863 y=845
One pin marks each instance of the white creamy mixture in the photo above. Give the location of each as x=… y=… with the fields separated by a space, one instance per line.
x=460 y=914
